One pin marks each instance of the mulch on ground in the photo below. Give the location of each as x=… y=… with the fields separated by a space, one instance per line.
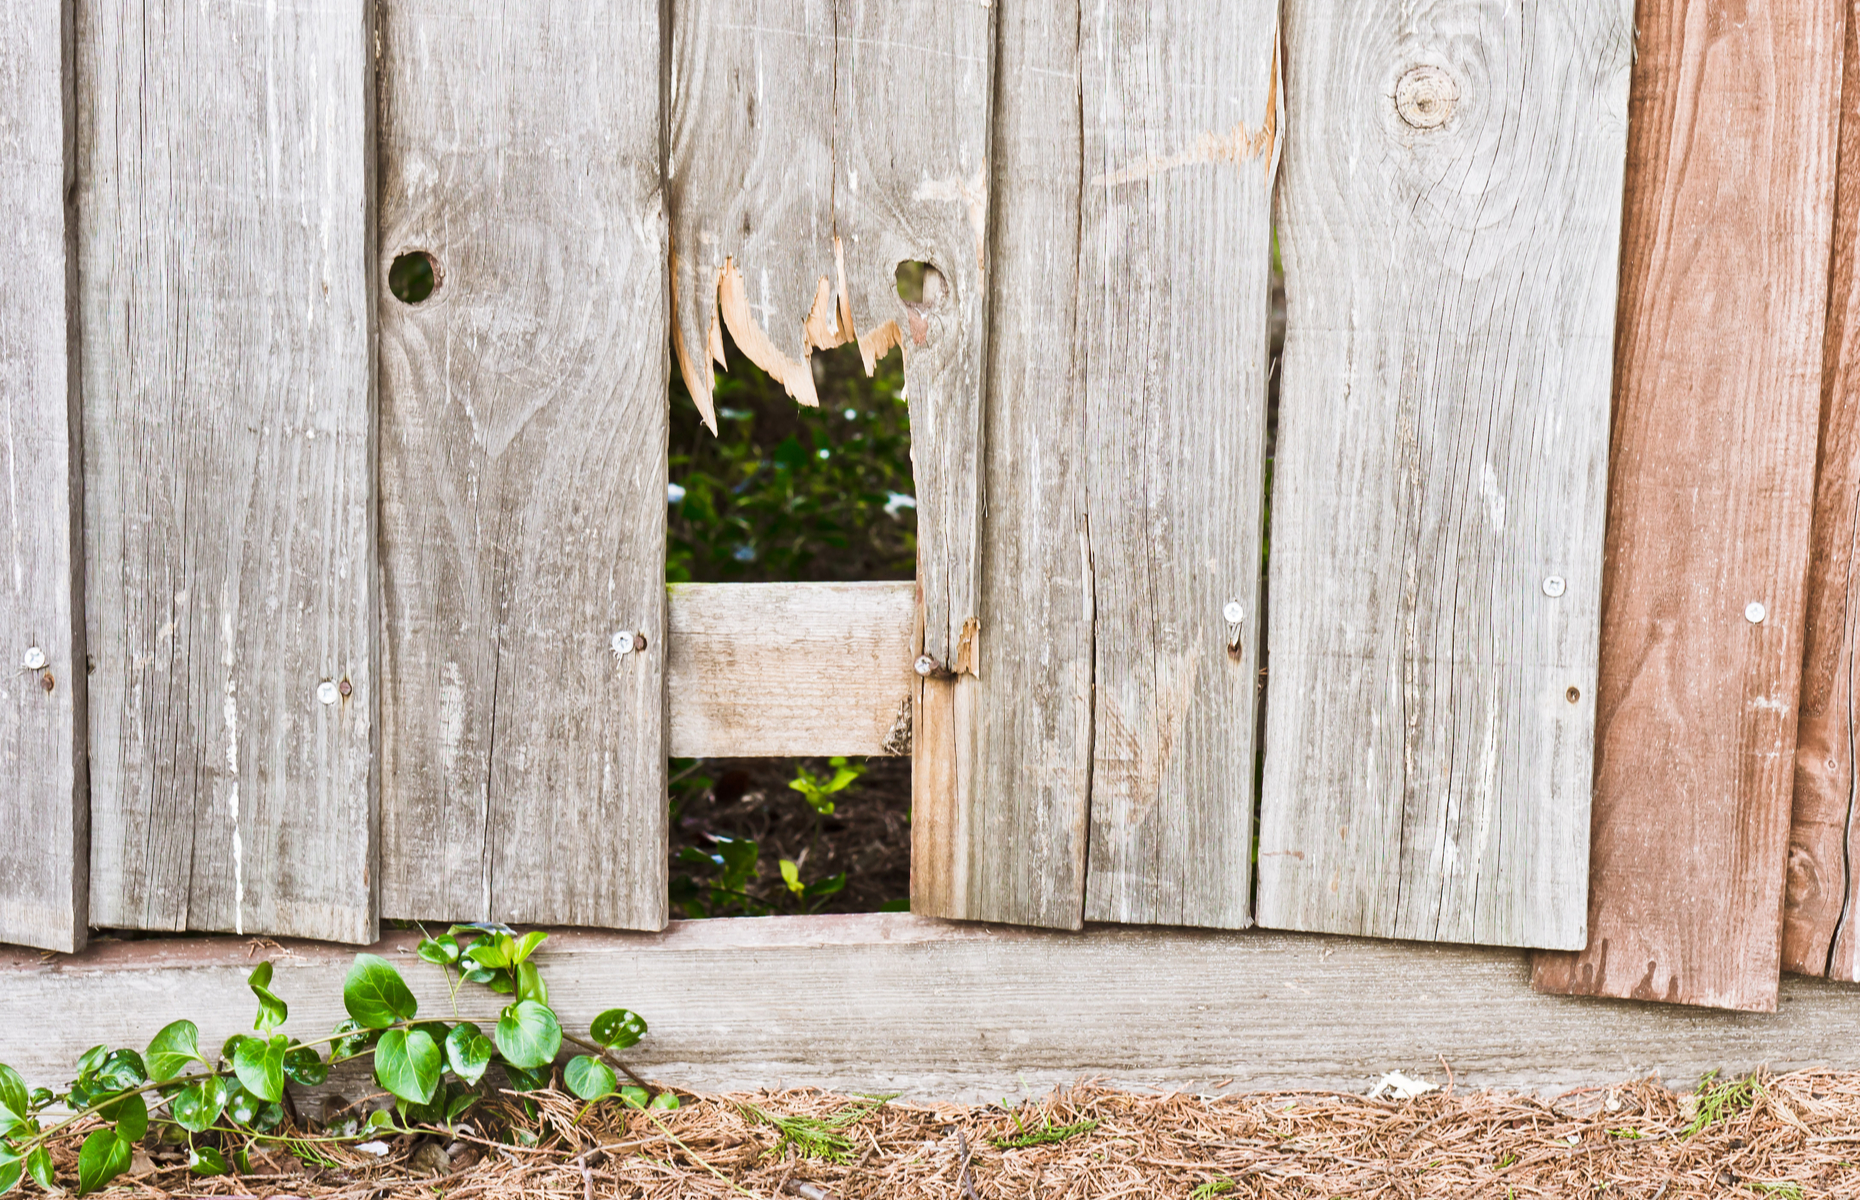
x=1794 y=1135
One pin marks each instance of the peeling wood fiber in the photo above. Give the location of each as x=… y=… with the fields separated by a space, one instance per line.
x=1438 y=487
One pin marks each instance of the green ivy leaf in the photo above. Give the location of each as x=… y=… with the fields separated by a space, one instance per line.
x=13 y=1097
x=375 y=994
x=589 y=1078
x=530 y=985
x=791 y=875
x=528 y=1035
x=633 y=1097
x=487 y=953
x=304 y=1065
x=527 y=946
x=172 y=1049
x=271 y=1010
x=196 y=1106
x=39 y=1166
x=103 y=1157
x=205 y=1160
x=10 y=1170
x=522 y=1080
x=92 y=1059
x=243 y=1108
x=132 y=1118
x=477 y=974
x=469 y=1051
x=407 y=1063
x=441 y=951
x=352 y=1038
x=119 y=1071
x=664 y=1102
x=458 y=1104
x=618 y=1028
x=260 y=1066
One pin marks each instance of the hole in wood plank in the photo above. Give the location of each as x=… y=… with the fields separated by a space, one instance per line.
x=789 y=494
x=413 y=277
x=921 y=283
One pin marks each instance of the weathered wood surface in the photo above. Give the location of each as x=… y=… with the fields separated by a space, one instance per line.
x=1449 y=217
x=1731 y=181
x=523 y=452
x=893 y=1002
x=1824 y=843
x=225 y=216
x=44 y=865
x=1005 y=838
x=789 y=668
x=1180 y=149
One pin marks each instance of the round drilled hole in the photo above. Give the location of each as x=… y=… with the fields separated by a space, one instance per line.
x=920 y=283
x=413 y=276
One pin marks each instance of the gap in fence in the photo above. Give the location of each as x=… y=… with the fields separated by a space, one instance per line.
x=786 y=494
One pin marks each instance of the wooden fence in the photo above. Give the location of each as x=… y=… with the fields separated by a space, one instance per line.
x=328 y=608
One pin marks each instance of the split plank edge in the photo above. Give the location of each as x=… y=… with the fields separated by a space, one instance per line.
x=872 y=1002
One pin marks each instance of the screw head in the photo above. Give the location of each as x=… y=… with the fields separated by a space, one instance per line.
x=1754 y=612
x=925 y=665
x=622 y=642
x=1233 y=611
x=1554 y=586
x=35 y=659
x=326 y=691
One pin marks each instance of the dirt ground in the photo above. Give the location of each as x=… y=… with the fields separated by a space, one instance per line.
x=1795 y=1135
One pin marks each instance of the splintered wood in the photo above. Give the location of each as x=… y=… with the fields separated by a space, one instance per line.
x=1438 y=492
x=523 y=448
x=1719 y=366
x=224 y=197
x=43 y=805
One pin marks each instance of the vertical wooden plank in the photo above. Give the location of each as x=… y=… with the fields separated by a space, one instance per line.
x=814 y=148
x=225 y=218
x=44 y=859
x=1180 y=151
x=523 y=464
x=1818 y=912
x=1011 y=844
x=1449 y=219
x=1719 y=361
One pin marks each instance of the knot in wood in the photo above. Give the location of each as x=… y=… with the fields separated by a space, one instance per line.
x=1425 y=96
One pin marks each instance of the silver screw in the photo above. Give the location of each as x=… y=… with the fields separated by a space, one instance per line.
x=326 y=691
x=622 y=642
x=925 y=665
x=1233 y=612
x=35 y=659
x=1554 y=586
x=1754 y=613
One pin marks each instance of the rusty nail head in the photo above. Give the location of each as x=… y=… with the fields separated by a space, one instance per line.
x=639 y=641
x=47 y=682
x=345 y=687
x=1573 y=695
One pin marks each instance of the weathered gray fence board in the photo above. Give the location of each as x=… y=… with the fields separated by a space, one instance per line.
x=1449 y=219
x=44 y=866
x=1015 y=849
x=893 y=1002
x=1180 y=147
x=225 y=233
x=789 y=668
x=523 y=456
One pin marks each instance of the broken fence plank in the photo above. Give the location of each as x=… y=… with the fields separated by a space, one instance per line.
x=523 y=466
x=225 y=215
x=44 y=857
x=1438 y=489
x=1731 y=180
x=789 y=668
x=1181 y=146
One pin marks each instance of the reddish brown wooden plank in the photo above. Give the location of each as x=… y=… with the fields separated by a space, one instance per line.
x=1818 y=937
x=1731 y=159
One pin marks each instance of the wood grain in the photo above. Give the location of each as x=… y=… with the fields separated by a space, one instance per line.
x=1004 y=839
x=893 y=1002
x=1180 y=149
x=1731 y=181
x=523 y=461
x=225 y=217
x=789 y=668
x=1449 y=218
x=1818 y=935
x=44 y=859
